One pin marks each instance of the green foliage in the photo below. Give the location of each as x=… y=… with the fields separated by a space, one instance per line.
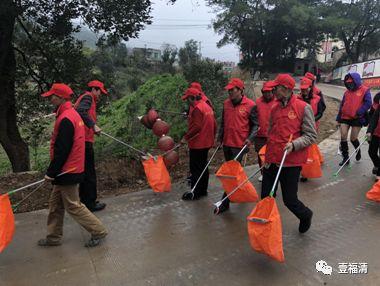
x=269 y=33
x=188 y=54
x=356 y=23
x=210 y=75
x=5 y=164
x=120 y=118
x=169 y=55
x=37 y=135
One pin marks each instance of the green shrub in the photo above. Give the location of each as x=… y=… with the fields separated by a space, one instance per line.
x=120 y=120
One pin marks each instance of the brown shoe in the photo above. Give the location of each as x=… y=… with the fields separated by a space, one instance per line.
x=46 y=242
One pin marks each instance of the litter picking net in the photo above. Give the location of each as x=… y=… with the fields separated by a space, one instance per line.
x=231 y=174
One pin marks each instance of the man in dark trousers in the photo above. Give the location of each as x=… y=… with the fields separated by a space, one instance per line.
x=86 y=107
x=200 y=138
x=289 y=117
x=238 y=127
x=67 y=150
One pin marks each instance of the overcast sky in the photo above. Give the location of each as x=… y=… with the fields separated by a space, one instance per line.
x=185 y=20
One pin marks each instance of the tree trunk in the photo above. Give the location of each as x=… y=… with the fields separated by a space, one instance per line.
x=10 y=139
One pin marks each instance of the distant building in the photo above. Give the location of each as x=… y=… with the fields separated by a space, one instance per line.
x=153 y=55
x=228 y=67
x=304 y=65
x=332 y=50
x=328 y=51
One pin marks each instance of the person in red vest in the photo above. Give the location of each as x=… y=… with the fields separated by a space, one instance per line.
x=238 y=127
x=86 y=107
x=309 y=96
x=353 y=113
x=375 y=104
x=289 y=117
x=264 y=105
x=198 y=86
x=67 y=151
x=200 y=138
x=316 y=90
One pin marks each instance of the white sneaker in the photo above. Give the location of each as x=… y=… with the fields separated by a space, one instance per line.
x=261 y=178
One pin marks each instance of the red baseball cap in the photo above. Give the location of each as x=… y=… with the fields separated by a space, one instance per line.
x=285 y=80
x=196 y=85
x=305 y=83
x=59 y=89
x=310 y=76
x=191 y=91
x=268 y=85
x=98 y=84
x=235 y=82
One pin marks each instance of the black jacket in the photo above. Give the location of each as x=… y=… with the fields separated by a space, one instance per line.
x=62 y=148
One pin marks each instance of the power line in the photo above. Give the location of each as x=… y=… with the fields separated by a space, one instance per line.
x=178 y=25
x=182 y=20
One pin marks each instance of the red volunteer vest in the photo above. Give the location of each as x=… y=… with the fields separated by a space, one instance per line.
x=89 y=132
x=352 y=102
x=316 y=90
x=286 y=121
x=206 y=136
x=236 y=122
x=75 y=161
x=263 y=113
x=314 y=105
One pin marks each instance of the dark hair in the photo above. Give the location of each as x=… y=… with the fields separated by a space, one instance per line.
x=89 y=89
x=376 y=98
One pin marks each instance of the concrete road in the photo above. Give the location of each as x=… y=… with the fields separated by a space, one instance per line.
x=161 y=240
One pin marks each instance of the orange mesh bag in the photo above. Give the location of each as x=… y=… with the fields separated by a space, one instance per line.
x=265 y=229
x=231 y=174
x=374 y=193
x=262 y=153
x=157 y=174
x=7 y=222
x=312 y=168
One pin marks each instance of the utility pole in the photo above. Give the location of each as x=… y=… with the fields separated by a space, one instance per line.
x=200 y=49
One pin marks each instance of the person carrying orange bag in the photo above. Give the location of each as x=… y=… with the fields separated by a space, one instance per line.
x=238 y=127
x=289 y=117
x=7 y=222
x=199 y=137
x=264 y=224
x=157 y=174
x=67 y=156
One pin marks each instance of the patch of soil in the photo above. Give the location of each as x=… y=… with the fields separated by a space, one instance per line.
x=122 y=175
